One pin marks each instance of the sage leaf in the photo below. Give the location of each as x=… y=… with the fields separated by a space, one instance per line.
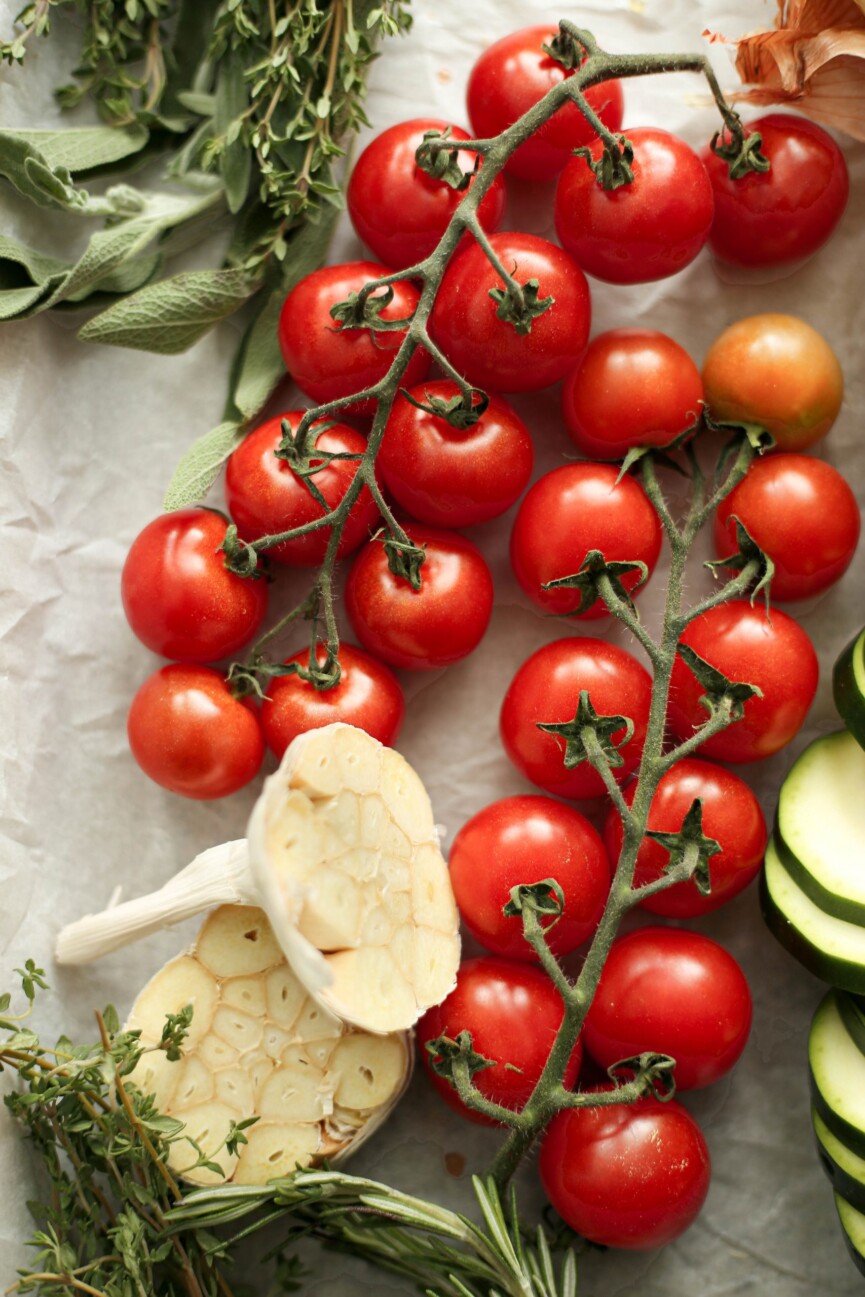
x=29 y=172
x=170 y=315
x=200 y=466
x=235 y=160
x=82 y=149
x=18 y=264
x=259 y=364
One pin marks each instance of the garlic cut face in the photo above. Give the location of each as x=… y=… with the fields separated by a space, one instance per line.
x=260 y=1046
x=344 y=852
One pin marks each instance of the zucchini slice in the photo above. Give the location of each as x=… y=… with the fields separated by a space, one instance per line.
x=820 y=825
x=832 y=949
x=853 y=1225
x=848 y=687
x=844 y=1168
x=837 y=1067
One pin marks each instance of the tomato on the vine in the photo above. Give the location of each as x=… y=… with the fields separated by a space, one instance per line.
x=732 y=817
x=546 y=689
x=509 y=78
x=778 y=372
x=513 y=1012
x=644 y=230
x=570 y=511
x=631 y=387
x=783 y=215
x=488 y=350
x=669 y=991
x=438 y=624
x=748 y=646
x=191 y=736
x=368 y=695
x=526 y=839
x=179 y=597
x=629 y=1176
x=398 y=210
x=453 y=477
x=802 y=513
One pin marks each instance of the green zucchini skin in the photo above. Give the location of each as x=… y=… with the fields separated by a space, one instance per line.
x=844 y=1168
x=848 y=687
x=830 y=1043
x=853 y=1229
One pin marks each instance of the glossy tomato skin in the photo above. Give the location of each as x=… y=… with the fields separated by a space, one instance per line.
x=513 y=1012
x=642 y=231
x=802 y=512
x=546 y=688
x=179 y=597
x=451 y=477
x=669 y=991
x=748 y=646
x=631 y=387
x=398 y=210
x=629 y=1176
x=776 y=371
x=327 y=361
x=510 y=77
x=781 y=216
x=570 y=511
x=488 y=351
x=731 y=816
x=368 y=696
x=190 y=735
x=526 y=839
x=265 y=497
x=421 y=629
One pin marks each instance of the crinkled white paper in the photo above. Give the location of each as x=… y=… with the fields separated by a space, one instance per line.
x=89 y=439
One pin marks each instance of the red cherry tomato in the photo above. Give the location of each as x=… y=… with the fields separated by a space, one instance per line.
x=179 y=597
x=190 y=735
x=644 y=230
x=265 y=496
x=631 y=387
x=778 y=372
x=451 y=477
x=629 y=1176
x=489 y=351
x=802 y=513
x=567 y=513
x=368 y=695
x=513 y=1012
x=509 y=78
x=398 y=210
x=748 y=646
x=328 y=361
x=547 y=688
x=524 y=840
x=731 y=815
x=438 y=624
x=785 y=214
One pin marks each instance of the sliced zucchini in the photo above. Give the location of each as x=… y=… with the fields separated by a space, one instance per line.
x=832 y=949
x=820 y=825
x=853 y=1225
x=844 y=1168
x=848 y=687
x=837 y=1067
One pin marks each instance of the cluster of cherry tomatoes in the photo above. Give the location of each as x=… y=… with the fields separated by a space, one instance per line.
x=625 y=389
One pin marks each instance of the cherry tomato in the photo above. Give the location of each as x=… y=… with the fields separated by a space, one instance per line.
x=265 y=496
x=629 y=1176
x=513 y=1012
x=438 y=624
x=191 y=736
x=368 y=695
x=748 y=646
x=644 y=230
x=631 y=387
x=524 y=840
x=452 y=477
x=669 y=991
x=489 y=351
x=802 y=513
x=567 y=513
x=328 y=361
x=509 y=78
x=547 y=688
x=778 y=372
x=785 y=214
x=398 y=210
x=179 y=597
x=731 y=815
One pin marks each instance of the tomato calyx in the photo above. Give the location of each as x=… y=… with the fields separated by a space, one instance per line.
x=599 y=579
x=570 y=46
x=520 y=304
x=755 y=434
x=362 y=309
x=689 y=850
x=461 y=411
x=589 y=737
x=405 y=559
x=241 y=557
x=748 y=555
x=741 y=152
x=439 y=158
x=457 y=1061
x=654 y=1074
x=724 y=699
x=613 y=168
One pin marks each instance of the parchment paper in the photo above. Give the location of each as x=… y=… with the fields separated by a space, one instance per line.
x=89 y=439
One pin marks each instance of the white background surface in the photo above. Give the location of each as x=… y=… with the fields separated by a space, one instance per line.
x=89 y=439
